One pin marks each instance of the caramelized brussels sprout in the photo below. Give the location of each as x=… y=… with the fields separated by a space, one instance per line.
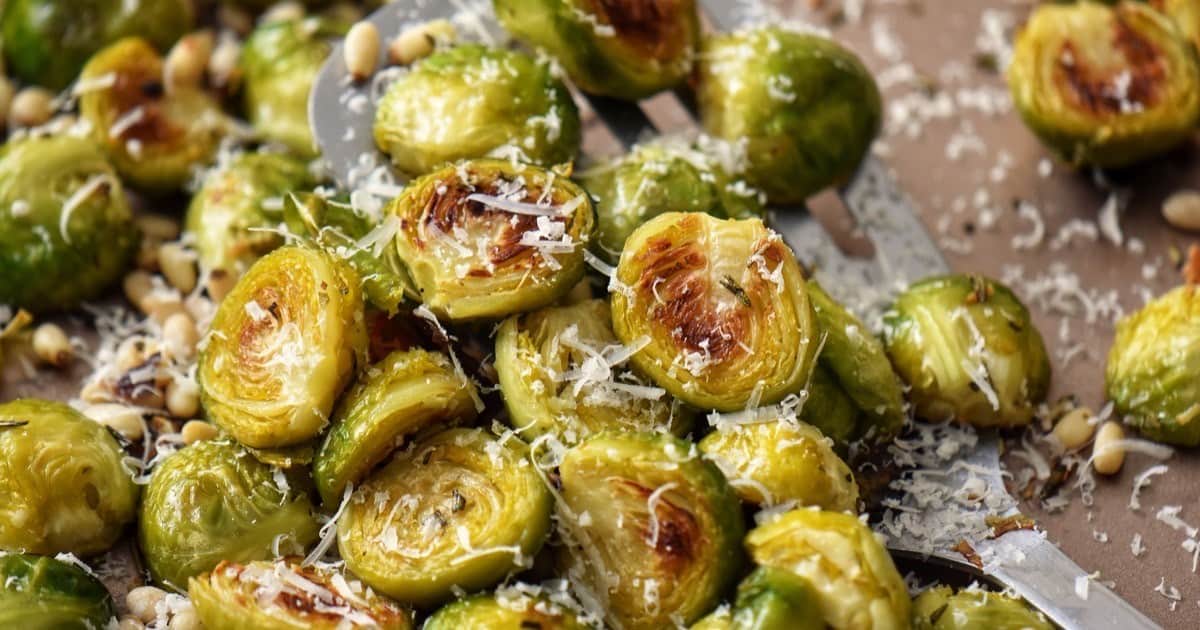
x=1105 y=86
x=940 y=608
x=283 y=344
x=64 y=486
x=48 y=41
x=508 y=609
x=238 y=198
x=560 y=371
x=38 y=592
x=660 y=540
x=769 y=599
x=399 y=396
x=723 y=306
x=856 y=583
x=213 y=501
x=626 y=50
x=487 y=238
x=782 y=460
x=459 y=509
x=1152 y=366
x=471 y=102
x=66 y=231
x=154 y=138
x=285 y=595
x=968 y=350
x=806 y=108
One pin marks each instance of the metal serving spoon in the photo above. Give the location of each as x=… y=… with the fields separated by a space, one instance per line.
x=341 y=113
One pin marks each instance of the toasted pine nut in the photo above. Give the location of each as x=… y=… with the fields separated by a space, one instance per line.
x=185 y=63
x=52 y=346
x=178 y=265
x=180 y=336
x=138 y=285
x=157 y=227
x=147 y=255
x=361 y=50
x=220 y=283
x=160 y=305
x=31 y=107
x=1182 y=210
x=183 y=398
x=133 y=352
x=120 y=418
x=95 y=391
x=185 y=619
x=198 y=431
x=1107 y=456
x=143 y=602
x=418 y=41
x=1074 y=429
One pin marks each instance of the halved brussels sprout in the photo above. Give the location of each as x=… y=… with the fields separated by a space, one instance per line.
x=855 y=580
x=560 y=371
x=662 y=528
x=64 y=486
x=458 y=510
x=769 y=599
x=406 y=392
x=48 y=41
x=66 y=231
x=656 y=178
x=283 y=344
x=806 y=108
x=1105 y=86
x=1185 y=14
x=38 y=592
x=723 y=306
x=213 y=501
x=940 y=608
x=472 y=101
x=968 y=350
x=154 y=138
x=487 y=238
x=782 y=460
x=285 y=595
x=624 y=49
x=1152 y=367
x=507 y=609
x=236 y=200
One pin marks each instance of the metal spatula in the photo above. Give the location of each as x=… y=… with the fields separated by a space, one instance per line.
x=342 y=112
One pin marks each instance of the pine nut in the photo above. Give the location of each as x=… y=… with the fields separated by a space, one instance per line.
x=223 y=69
x=282 y=12
x=124 y=420
x=178 y=265
x=143 y=602
x=185 y=63
x=418 y=41
x=31 y=107
x=185 y=619
x=220 y=283
x=95 y=391
x=138 y=285
x=1182 y=210
x=133 y=352
x=1107 y=457
x=6 y=97
x=198 y=431
x=1074 y=429
x=130 y=623
x=158 y=228
x=361 y=50
x=160 y=305
x=52 y=346
x=180 y=336
x=147 y=255
x=183 y=398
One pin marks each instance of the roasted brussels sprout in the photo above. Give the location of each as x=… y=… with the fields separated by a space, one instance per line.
x=37 y=592
x=406 y=392
x=656 y=178
x=856 y=583
x=487 y=238
x=64 y=486
x=828 y=408
x=285 y=595
x=48 y=41
x=806 y=108
x=968 y=350
x=154 y=138
x=459 y=509
x=281 y=60
x=660 y=540
x=560 y=371
x=626 y=50
x=283 y=344
x=769 y=599
x=213 y=501
x=66 y=231
x=508 y=609
x=1105 y=86
x=723 y=306
x=1152 y=367
x=238 y=198
x=940 y=608
x=473 y=101
x=1185 y=14
x=775 y=461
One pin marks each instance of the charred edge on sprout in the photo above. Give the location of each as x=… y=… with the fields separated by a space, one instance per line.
x=678 y=534
x=141 y=87
x=305 y=604
x=654 y=27
x=1092 y=89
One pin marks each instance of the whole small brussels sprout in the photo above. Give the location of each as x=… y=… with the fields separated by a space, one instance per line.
x=1152 y=367
x=968 y=350
x=457 y=510
x=828 y=408
x=806 y=108
x=408 y=391
x=48 y=41
x=38 y=592
x=473 y=101
x=66 y=231
x=1105 y=86
x=940 y=608
x=856 y=582
x=559 y=373
x=660 y=540
x=507 y=609
x=283 y=344
x=775 y=461
x=213 y=501
x=238 y=198
x=302 y=596
x=487 y=238
x=769 y=599
x=64 y=486
x=627 y=50
x=723 y=306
